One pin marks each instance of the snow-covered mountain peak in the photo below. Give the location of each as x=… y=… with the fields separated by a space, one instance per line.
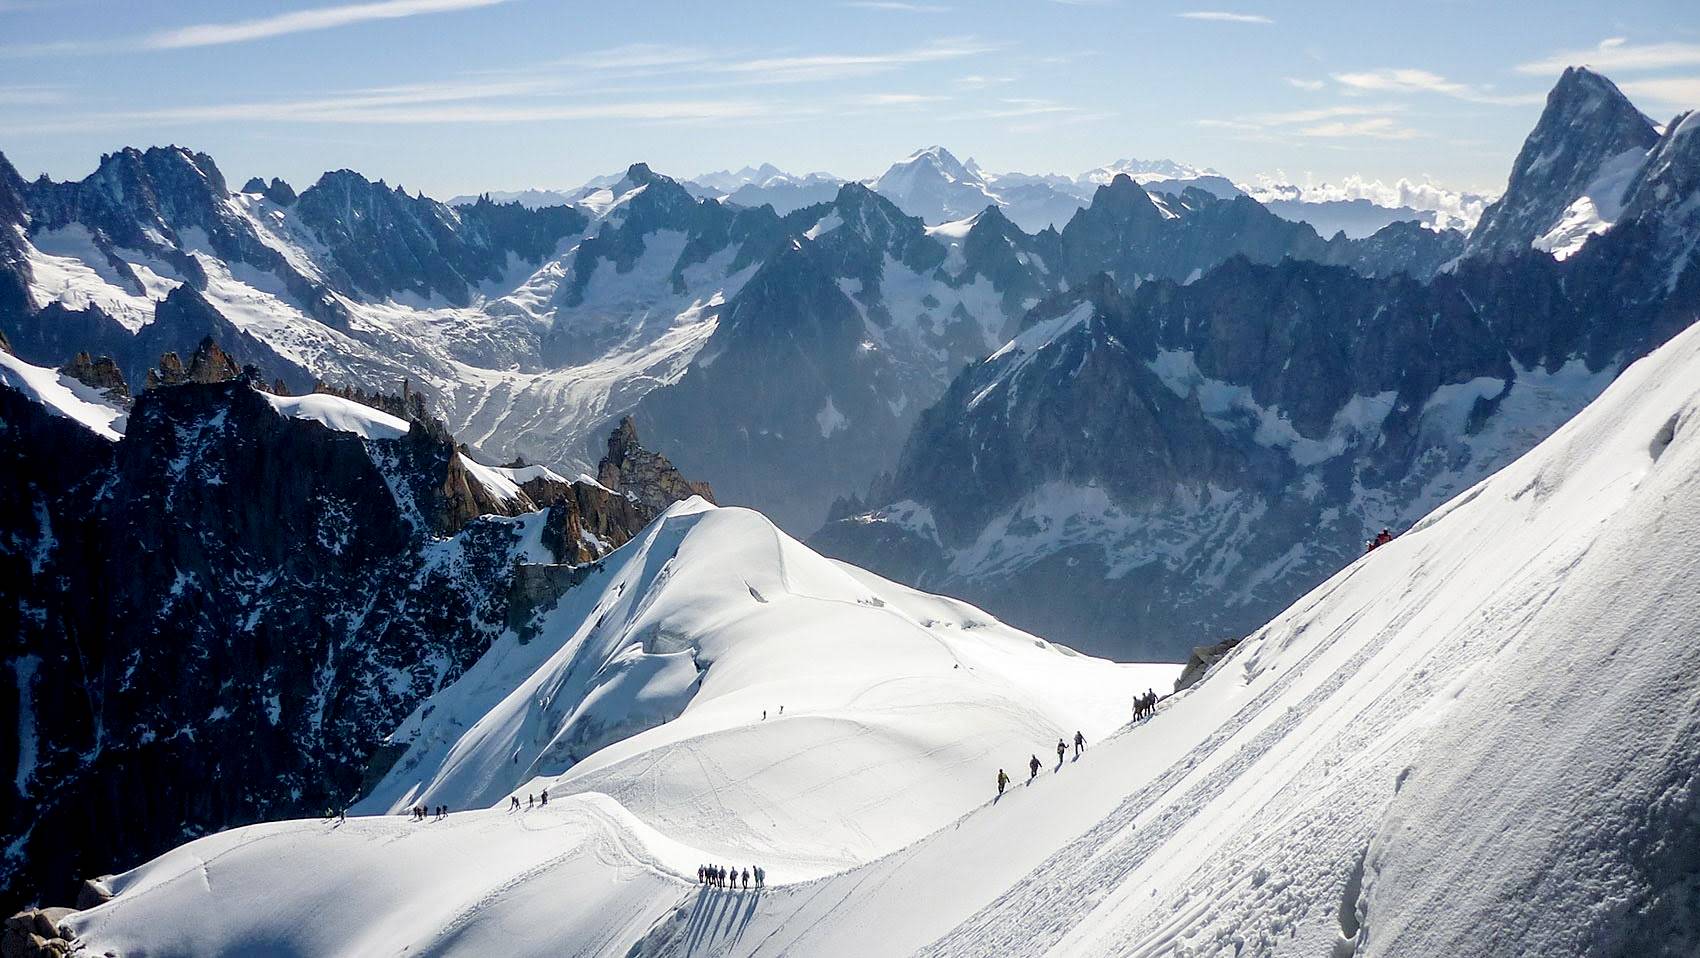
x=1144 y=170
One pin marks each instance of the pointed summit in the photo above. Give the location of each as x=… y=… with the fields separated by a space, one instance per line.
x=1588 y=138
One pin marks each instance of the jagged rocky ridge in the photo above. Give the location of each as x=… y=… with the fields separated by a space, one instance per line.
x=219 y=616
x=1147 y=466
x=533 y=330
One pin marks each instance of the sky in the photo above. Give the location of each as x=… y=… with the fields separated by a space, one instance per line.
x=462 y=96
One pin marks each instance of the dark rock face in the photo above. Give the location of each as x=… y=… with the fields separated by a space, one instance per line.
x=1126 y=234
x=771 y=427
x=150 y=201
x=217 y=619
x=1152 y=459
x=14 y=258
x=1587 y=122
x=277 y=190
x=383 y=241
x=1140 y=467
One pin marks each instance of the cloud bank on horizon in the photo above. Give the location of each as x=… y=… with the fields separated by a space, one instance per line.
x=466 y=95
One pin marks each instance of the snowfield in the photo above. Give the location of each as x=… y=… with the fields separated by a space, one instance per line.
x=64 y=396
x=1480 y=739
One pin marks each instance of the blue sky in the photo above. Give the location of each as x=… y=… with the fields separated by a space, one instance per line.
x=453 y=96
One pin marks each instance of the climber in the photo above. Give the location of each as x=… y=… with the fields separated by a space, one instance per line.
x=761 y=877
x=1002 y=781
x=1079 y=743
x=1062 y=749
x=746 y=879
x=1033 y=769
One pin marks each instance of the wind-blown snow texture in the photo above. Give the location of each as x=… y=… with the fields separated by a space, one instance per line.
x=1479 y=739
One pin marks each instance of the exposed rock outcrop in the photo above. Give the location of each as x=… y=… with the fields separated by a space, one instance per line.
x=101 y=373
x=37 y=933
x=1200 y=661
x=648 y=477
x=208 y=364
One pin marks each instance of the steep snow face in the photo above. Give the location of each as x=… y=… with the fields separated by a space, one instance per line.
x=1597 y=209
x=64 y=396
x=1476 y=740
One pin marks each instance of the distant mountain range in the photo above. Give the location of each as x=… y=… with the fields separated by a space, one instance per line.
x=937 y=187
x=791 y=358
x=1193 y=455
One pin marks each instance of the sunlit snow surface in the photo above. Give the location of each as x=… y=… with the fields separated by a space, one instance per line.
x=63 y=396
x=343 y=415
x=1475 y=740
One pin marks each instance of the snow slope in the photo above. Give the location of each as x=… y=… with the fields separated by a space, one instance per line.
x=1494 y=715
x=64 y=396
x=1480 y=739
x=638 y=704
x=343 y=415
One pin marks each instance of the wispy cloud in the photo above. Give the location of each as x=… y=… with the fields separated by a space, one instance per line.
x=479 y=102
x=831 y=66
x=1224 y=16
x=1679 y=92
x=898 y=6
x=1404 y=80
x=1617 y=53
x=301 y=21
x=1311 y=85
x=1374 y=127
x=637 y=57
x=30 y=95
x=1363 y=121
x=898 y=99
x=978 y=81
x=1013 y=107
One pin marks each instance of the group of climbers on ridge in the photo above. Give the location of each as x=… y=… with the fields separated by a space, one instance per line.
x=1143 y=706
x=1033 y=763
x=721 y=876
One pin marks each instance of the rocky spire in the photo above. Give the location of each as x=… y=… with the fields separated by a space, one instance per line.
x=647 y=477
x=1587 y=123
x=101 y=373
x=208 y=364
